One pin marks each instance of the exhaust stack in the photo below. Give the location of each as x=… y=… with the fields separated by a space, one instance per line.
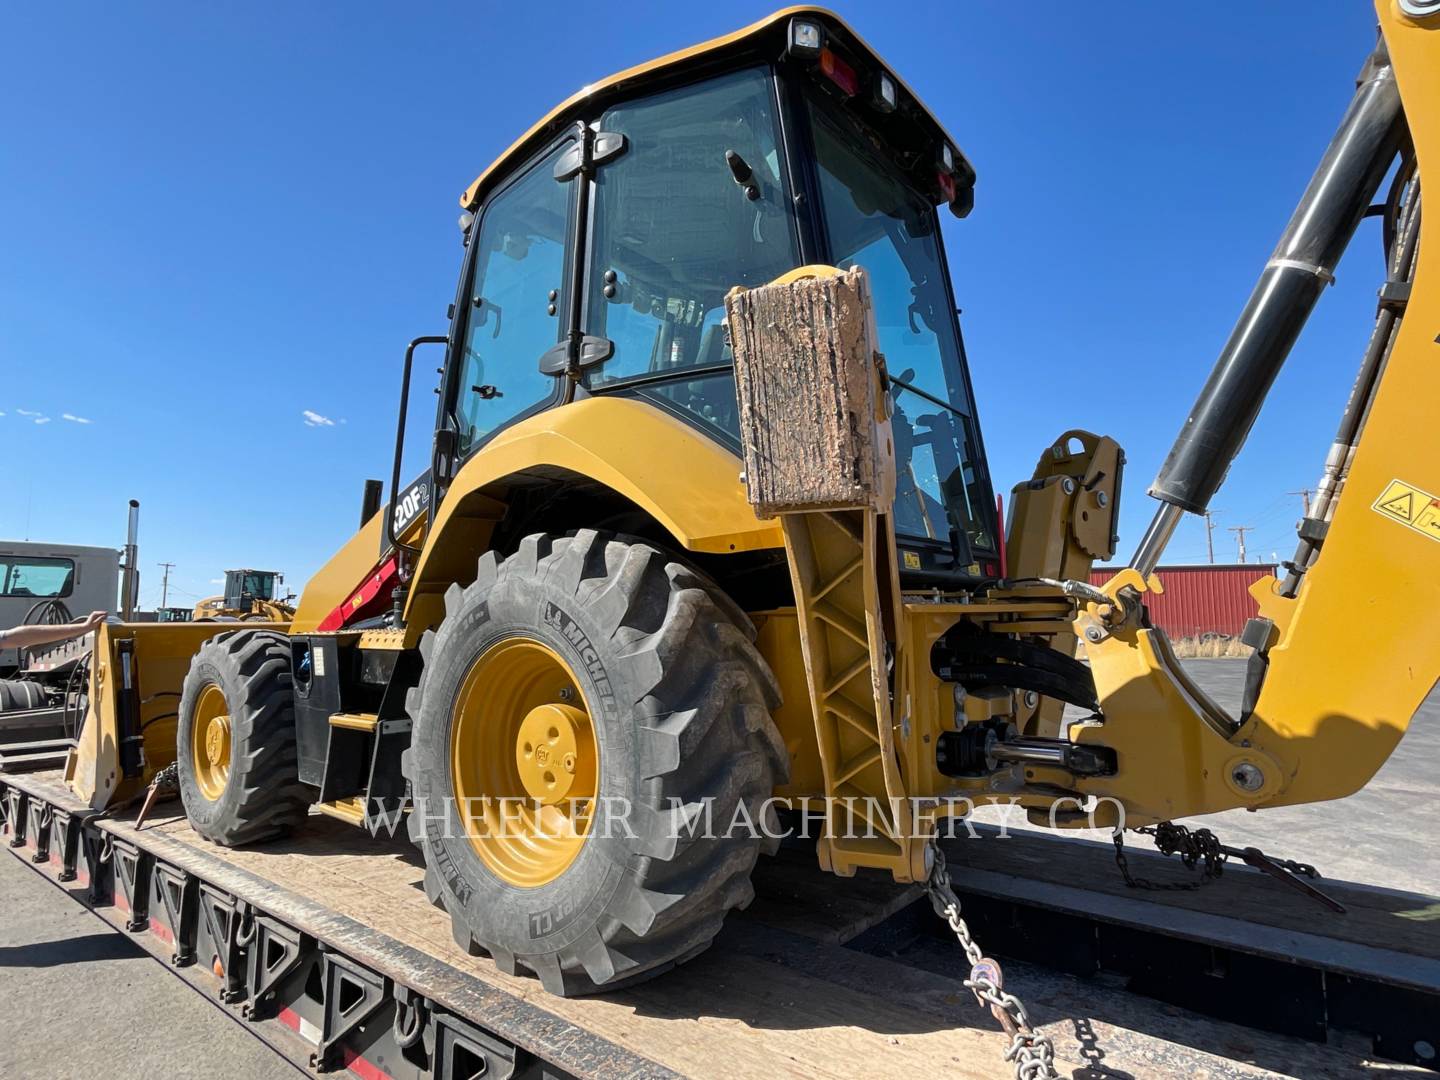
x=130 y=579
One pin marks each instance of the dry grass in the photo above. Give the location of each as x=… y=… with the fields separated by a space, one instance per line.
x=1208 y=647
x=1212 y=646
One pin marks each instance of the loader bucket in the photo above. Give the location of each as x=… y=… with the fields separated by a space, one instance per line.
x=128 y=734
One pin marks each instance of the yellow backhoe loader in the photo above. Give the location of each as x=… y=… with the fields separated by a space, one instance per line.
x=708 y=538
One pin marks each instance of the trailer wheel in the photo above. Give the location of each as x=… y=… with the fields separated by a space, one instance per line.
x=20 y=694
x=235 y=740
x=587 y=705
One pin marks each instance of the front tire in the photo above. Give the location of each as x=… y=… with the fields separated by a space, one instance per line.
x=677 y=701
x=235 y=740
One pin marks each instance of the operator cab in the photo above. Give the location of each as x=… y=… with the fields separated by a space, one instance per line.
x=600 y=247
x=244 y=587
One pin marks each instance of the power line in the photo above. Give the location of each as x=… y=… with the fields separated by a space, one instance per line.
x=1304 y=494
x=165 y=582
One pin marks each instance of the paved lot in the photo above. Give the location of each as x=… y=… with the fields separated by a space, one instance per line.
x=78 y=999
x=1382 y=835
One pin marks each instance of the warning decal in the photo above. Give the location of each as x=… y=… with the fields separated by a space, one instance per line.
x=1410 y=506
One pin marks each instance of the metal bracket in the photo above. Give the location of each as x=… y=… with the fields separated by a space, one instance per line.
x=133 y=867
x=66 y=827
x=179 y=894
x=1395 y=296
x=17 y=815
x=99 y=866
x=353 y=994
x=40 y=816
x=277 y=953
x=464 y=1052
x=1309 y=268
x=222 y=918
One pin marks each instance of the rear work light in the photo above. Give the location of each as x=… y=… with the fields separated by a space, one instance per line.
x=807 y=42
x=886 y=96
x=806 y=39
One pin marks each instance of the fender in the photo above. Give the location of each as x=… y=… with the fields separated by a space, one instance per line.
x=686 y=481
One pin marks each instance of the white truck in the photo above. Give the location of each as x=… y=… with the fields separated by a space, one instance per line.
x=49 y=583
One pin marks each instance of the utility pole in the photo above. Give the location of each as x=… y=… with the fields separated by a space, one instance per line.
x=1210 y=534
x=1240 y=531
x=1304 y=494
x=165 y=581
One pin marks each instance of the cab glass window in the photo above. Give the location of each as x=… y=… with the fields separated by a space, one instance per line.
x=675 y=230
x=37 y=577
x=518 y=263
x=875 y=220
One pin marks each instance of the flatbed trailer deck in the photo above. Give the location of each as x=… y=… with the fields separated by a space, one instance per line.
x=326 y=945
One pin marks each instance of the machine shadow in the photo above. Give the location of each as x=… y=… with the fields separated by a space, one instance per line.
x=87 y=948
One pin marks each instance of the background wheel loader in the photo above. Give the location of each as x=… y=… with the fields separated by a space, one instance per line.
x=249 y=596
x=708 y=533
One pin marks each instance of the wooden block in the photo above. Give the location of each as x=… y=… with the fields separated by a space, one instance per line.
x=812 y=415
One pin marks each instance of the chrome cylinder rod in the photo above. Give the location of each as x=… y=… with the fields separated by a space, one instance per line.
x=1152 y=544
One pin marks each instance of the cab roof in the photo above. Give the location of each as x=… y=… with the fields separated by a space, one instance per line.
x=764 y=39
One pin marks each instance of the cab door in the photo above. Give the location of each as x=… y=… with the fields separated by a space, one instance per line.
x=511 y=307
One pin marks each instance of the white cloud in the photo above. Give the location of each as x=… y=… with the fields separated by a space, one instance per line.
x=217 y=581
x=27 y=412
x=75 y=419
x=42 y=419
x=2 y=412
x=314 y=419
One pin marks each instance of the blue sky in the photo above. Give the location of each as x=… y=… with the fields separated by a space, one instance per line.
x=216 y=217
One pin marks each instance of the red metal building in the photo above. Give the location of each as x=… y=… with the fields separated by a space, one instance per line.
x=1203 y=599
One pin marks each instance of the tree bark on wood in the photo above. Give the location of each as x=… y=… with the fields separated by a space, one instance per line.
x=812 y=416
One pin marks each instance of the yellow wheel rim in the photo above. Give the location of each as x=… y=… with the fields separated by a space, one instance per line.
x=210 y=742
x=524 y=762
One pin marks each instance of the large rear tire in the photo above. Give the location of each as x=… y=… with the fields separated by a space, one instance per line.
x=660 y=681
x=235 y=742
